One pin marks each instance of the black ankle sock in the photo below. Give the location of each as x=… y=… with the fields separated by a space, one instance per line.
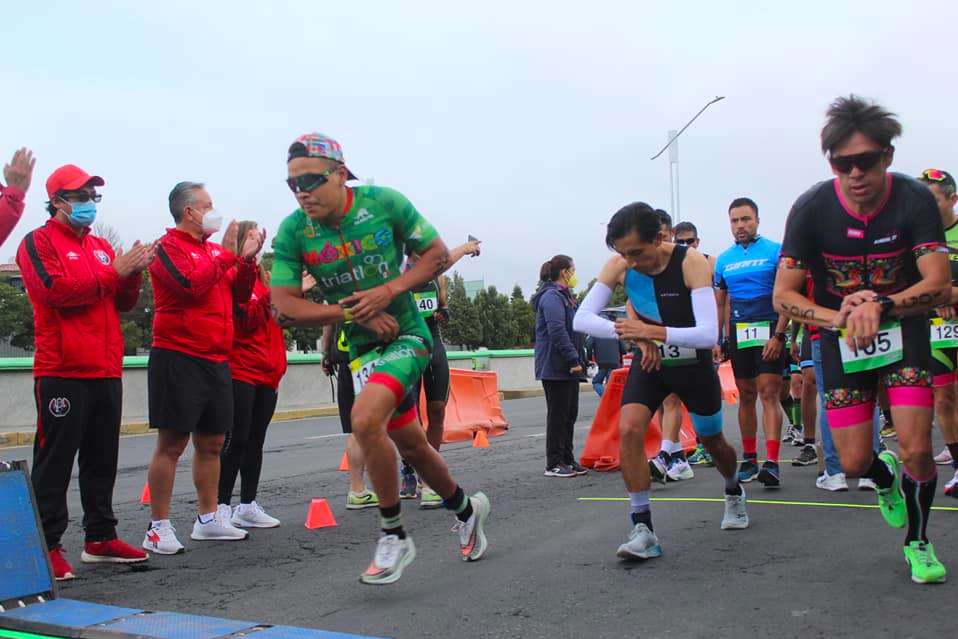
x=919 y=496
x=459 y=504
x=953 y=449
x=732 y=486
x=808 y=441
x=880 y=473
x=886 y=413
x=391 y=522
x=407 y=469
x=644 y=517
x=680 y=455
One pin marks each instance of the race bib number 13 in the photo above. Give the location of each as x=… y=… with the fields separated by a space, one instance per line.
x=752 y=334
x=886 y=349
x=673 y=355
x=944 y=333
x=362 y=367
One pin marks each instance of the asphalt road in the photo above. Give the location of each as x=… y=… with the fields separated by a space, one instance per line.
x=551 y=569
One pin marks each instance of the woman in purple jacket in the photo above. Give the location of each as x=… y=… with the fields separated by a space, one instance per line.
x=559 y=362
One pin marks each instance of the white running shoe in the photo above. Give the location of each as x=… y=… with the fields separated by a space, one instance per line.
x=944 y=457
x=834 y=483
x=392 y=555
x=252 y=516
x=642 y=544
x=679 y=470
x=472 y=534
x=162 y=540
x=219 y=528
x=864 y=483
x=951 y=488
x=659 y=466
x=736 y=517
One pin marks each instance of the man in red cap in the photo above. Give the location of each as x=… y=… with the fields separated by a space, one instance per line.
x=78 y=287
x=17 y=174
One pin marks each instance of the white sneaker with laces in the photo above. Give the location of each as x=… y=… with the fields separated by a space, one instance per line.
x=833 y=483
x=951 y=488
x=162 y=540
x=944 y=457
x=864 y=483
x=642 y=544
x=736 y=517
x=679 y=470
x=392 y=555
x=472 y=534
x=252 y=516
x=218 y=528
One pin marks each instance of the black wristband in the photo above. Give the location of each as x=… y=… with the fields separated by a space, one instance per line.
x=782 y=336
x=887 y=304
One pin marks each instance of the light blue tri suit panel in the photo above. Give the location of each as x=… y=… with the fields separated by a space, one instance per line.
x=748 y=274
x=641 y=292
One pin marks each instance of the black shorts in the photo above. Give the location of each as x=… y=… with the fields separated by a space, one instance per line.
x=805 y=353
x=943 y=366
x=189 y=394
x=435 y=379
x=697 y=385
x=747 y=363
x=850 y=397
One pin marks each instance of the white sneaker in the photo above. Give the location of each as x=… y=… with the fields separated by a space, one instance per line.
x=392 y=555
x=864 y=483
x=736 y=517
x=951 y=488
x=944 y=457
x=162 y=540
x=217 y=529
x=472 y=534
x=679 y=470
x=833 y=483
x=658 y=467
x=642 y=544
x=252 y=516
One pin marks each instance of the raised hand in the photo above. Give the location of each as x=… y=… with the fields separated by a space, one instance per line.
x=133 y=261
x=229 y=236
x=252 y=243
x=19 y=172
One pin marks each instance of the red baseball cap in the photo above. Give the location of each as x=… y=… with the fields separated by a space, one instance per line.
x=70 y=177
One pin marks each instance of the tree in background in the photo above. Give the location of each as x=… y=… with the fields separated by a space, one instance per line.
x=495 y=317
x=108 y=233
x=618 y=298
x=16 y=317
x=463 y=327
x=523 y=318
x=137 y=323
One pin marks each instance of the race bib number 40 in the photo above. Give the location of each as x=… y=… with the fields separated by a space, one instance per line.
x=427 y=302
x=886 y=349
x=362 y=367
x=673 y=355
x=944 y=333
x=752 y=334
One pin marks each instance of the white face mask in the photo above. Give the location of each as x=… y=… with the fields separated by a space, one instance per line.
x=212 y=222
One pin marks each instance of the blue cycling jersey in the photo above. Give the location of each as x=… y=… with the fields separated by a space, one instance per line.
x=748 y=274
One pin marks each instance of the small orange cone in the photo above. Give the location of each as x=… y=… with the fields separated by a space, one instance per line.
x=481 y=440
x=320 y=515
x=344 y=463
x=145 y=495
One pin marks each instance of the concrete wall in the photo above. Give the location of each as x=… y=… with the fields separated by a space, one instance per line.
x=305 y=386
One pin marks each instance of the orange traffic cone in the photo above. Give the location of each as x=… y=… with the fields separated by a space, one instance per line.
x=320 y=515
x=344 y=463
x=480 y=440
x=145 y=495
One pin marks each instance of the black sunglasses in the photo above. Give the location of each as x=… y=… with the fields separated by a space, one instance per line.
x=687 y=241
x=79 y=196
x=864 y=161
x=308 y=182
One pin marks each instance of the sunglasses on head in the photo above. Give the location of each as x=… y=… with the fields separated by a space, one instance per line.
x=864 y=161
x=79 y=196
x=689 y=241
x=308 y=182
x=934 y=175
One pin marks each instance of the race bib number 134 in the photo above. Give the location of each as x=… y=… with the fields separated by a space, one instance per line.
x=362 y=367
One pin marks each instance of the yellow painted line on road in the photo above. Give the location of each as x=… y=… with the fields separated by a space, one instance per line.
x=770 y=502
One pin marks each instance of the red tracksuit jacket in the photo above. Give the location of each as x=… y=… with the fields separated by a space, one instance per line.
x=77 y=298
x=259 y=350
x=11 y=208
x=195 y=286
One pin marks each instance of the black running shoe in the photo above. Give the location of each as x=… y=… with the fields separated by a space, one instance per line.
x=770 y=475
x=806 y=457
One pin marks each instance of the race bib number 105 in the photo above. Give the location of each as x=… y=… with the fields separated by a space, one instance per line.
x=886 y=349
x=362 y=367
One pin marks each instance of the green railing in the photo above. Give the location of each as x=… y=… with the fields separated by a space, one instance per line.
x=139 y=361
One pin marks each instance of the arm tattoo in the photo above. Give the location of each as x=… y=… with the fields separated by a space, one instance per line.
x=282 y=319
x=920 y=300
x=796 y=311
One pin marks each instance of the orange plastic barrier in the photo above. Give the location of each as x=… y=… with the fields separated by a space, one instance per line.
x=601 y=450
x=727 y=377
x=473 y=406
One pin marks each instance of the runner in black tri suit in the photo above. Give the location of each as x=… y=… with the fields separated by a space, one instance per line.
x=675 y=326
x=874 y=245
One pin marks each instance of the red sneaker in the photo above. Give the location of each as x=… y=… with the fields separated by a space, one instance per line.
x=112 y=551
x=62 y=570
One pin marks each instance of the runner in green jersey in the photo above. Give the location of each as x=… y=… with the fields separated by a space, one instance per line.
x=351 y=239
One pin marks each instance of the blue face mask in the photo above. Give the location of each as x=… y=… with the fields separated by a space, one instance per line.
x=83 y=214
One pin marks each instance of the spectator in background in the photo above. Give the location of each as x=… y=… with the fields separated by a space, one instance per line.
x=607 y=354
x=195 y=285
x=18 y=175
x=257 y=364
x=558 y=362
x=78 y=287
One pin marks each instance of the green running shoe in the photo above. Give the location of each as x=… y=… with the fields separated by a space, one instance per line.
x=890 y=500
x=358 y=501
x=925 y=567
x=429 y=499
x=700 y=457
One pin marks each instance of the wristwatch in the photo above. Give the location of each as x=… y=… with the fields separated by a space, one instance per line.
x=887 y=304
x=782 y=336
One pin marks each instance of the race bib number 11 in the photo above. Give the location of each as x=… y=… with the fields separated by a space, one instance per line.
x=944 y=333
x=752 y=334
x=362 y=367
x=886 y=349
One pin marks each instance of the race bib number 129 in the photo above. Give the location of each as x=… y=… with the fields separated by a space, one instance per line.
x=886 y=349
x=944 y=333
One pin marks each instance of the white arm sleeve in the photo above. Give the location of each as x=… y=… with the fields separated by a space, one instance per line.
x=587 y=319
x=705 y=332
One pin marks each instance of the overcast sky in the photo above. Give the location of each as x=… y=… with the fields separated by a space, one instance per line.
x=526 y=124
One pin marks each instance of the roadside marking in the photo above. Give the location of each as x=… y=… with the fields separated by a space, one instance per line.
x=772 y=502
x=327 y=436
x=537 y=435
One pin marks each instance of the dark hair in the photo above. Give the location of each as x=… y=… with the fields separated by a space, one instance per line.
x=845 y=116
x=50 y=208
x=743 y=201
x=182 y=196
x=685 y=227
x=551 y=269
x=665 y=218
x=637 y=216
